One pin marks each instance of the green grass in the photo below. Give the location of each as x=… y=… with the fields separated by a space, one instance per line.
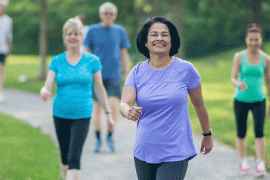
x=24 y=65
x=26 y=153
x=215 y=71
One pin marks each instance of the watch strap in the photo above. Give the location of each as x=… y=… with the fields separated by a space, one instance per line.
x=208 y=134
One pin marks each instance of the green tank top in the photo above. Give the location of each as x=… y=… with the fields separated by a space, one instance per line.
x=254 y=75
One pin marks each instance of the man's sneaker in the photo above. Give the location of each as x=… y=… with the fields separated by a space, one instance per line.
x=260 y=168
x=97 y=145
x=243 y=167
x=110 y=143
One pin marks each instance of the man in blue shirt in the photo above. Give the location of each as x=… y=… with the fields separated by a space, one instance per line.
x=110 y=42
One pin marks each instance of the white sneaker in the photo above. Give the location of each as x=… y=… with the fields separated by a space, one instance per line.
x=260 y=168
x=2 y=98
x=244 y=167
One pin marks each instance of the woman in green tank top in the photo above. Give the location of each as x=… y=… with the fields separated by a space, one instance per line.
x=248 y=71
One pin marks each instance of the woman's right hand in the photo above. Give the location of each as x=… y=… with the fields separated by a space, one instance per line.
x=45 y=94
x=242 y=85
x=134 y=113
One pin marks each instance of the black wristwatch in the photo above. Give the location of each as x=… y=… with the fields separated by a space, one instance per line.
x=107 y=112
x=208 y=134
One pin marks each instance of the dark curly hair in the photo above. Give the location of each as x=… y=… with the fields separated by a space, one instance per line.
x=142 y=36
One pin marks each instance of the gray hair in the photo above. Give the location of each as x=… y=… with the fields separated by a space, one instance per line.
x=75 y=23
x=4 y=2
x=107 y=5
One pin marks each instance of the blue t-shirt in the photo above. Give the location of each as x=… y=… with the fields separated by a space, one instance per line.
x=73 y=99
x=163 y=130
x=107 y=43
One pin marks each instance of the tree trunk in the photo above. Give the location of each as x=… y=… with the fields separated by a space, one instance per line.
x=43 y=40
x=177 y=19
x=254 y=10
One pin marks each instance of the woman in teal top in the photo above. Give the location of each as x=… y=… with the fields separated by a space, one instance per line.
x=74 y=71
x=251 y=65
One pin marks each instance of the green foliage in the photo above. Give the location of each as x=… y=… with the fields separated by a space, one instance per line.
x=26 y=21
x=213 y=25
x=26 y=153
x=209 y=25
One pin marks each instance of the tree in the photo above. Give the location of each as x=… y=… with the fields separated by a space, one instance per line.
x=43 y=39
x=254 y=10
x=177 y=7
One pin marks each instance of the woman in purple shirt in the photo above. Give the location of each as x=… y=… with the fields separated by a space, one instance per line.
x=160 y=86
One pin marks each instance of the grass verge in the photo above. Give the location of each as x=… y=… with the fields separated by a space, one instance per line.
x=26 y=153
x=27 y=65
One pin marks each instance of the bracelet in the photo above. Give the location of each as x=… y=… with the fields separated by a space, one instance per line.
x=238 y=85
x=107 y=112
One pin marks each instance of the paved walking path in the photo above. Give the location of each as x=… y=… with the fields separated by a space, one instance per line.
x=220 y=164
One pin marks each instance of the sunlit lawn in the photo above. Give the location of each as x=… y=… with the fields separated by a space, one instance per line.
x=25 y=152
x=24 y=65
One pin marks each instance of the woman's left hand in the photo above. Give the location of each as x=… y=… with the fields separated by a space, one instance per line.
x=110 y=123
x=207 y=144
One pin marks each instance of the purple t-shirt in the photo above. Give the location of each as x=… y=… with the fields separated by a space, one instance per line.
x=163 y=130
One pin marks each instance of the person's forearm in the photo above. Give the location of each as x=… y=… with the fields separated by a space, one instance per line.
x=235 y=82
x=49 y=83
x=124 y=107
x=203 y=118
x=125 y=61
x=126 y=64
x=48 y=87
x=102 y=98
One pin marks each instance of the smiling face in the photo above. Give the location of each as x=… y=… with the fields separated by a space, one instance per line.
x=108 y=16
x=254 y=41
x=73 y=38
x=158 y=39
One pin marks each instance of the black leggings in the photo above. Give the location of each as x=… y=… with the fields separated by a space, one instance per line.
x=241 y=112
x=71 y=135
x=161 y=171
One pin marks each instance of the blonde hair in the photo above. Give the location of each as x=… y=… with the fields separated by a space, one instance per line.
x=4 y=2
x=107 y=5
x=75 y=23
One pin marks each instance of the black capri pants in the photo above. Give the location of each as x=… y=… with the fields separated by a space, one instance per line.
x=241 y=112
x=2 y=58
x=161 y=171
x=71 y=135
